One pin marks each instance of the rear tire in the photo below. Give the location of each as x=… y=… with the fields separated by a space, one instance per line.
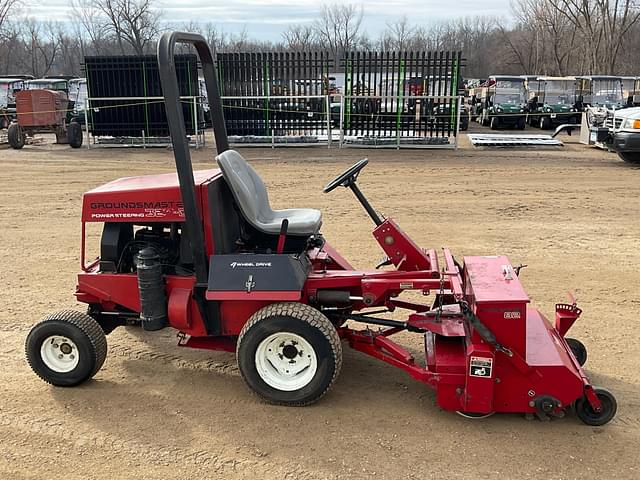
x=630 y=157
x=545 y=123
x=578 y=349
x=590 y=416
x=289 y=354
x=66 y=348
x=495 y=123
x=522 y=123
x=15 y=136
x=74 y=135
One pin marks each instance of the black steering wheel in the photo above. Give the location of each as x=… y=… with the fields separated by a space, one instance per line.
x=346 y=177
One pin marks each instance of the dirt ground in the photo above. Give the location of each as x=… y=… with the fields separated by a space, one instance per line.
x=158 y=411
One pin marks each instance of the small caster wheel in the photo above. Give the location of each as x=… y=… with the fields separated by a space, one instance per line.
x=578 y=349
x=589 y=416
x=66 y=348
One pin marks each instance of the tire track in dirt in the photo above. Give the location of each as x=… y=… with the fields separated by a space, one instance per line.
x=144 y=354
x=221 y=461
x=14 y=327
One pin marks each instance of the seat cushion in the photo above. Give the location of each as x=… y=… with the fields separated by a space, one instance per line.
x=302 y=221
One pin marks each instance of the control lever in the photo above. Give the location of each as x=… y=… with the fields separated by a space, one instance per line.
x=384 y=262
x=518 y=268
x=283 y=236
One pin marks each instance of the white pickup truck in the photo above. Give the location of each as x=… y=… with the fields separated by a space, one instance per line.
x=624 y=134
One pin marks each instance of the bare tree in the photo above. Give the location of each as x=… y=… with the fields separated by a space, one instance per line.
x=5 y=9
x=216 y=37
x=604 y=24
x=300 y=38
x=399 y=35
x=134 y=23
x=89 y=24
x=338 y=27
x=40 y=47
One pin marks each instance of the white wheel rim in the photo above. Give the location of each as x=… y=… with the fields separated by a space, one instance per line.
x=59 y=353
x=286 y=361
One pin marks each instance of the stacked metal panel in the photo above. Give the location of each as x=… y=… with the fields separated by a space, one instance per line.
x=408 y=93
x=275 y=93
x=125 y=95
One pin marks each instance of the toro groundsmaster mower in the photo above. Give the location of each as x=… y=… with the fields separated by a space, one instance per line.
x=204 y=253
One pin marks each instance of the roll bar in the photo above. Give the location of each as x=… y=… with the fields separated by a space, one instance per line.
x=184 y=168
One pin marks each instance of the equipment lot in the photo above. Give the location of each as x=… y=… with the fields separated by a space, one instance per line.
x=157 y=411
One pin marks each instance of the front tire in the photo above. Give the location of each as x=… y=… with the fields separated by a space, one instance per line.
x=630 y=157
x=289 y=354
x=495 y=123
x=74 y=135
x=545 y=123
x=66 y=348
x=15 y=136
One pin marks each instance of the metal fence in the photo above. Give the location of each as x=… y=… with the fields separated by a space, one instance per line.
x=412 y=96
x=126 y=100
x=367 y=99
x=275 y=95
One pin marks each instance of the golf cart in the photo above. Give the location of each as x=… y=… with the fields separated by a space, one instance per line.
x=631 y=91
x=602 y=91
x=554 y=102
x=503 y=102
x=8 y=88
x=77 y=99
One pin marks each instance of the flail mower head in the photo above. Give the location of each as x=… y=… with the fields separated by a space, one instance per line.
x=204 y=253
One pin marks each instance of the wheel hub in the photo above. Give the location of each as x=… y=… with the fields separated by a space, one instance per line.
x=286 y=361
x=59 y=354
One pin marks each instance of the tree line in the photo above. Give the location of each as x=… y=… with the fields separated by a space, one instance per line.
x=546 y=37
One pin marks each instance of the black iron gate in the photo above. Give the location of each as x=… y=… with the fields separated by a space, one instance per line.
x=275 y=94
x=401 y=95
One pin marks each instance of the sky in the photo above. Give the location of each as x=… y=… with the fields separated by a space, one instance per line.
x=267 y=19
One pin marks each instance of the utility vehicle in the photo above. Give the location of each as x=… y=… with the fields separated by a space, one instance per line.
x=205 y=254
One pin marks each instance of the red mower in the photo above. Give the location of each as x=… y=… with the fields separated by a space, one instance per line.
x=204 y=253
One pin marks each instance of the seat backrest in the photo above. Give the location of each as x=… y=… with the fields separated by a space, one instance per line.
x=246 y=186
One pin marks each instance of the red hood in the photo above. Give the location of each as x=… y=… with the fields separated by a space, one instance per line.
x=148 y=198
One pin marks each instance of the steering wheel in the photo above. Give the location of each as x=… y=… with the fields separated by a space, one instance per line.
x=345 y=177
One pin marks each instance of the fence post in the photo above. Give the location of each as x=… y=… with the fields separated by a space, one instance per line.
x=327 y=103
x=195 y=120
x=86 y=120
x=458 y=122
x=342 y=100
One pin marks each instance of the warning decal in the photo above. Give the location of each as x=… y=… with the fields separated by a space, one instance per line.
x=480 y=366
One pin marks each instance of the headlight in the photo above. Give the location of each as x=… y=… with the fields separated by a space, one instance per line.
x=499 y=110
x=549 y=110
x=521 y=110
x=574 y=109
